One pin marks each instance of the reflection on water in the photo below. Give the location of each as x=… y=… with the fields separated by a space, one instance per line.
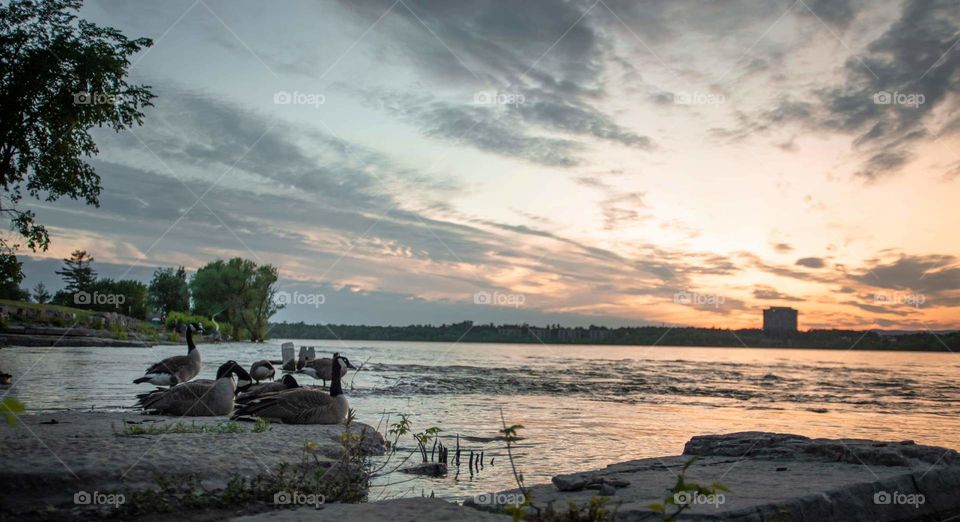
x=582 y=406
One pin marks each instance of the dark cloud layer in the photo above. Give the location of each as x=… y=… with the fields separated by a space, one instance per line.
x=888 y=90
x=548 y=55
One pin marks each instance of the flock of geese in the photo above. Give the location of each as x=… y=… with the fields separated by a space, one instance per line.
x=243 y=394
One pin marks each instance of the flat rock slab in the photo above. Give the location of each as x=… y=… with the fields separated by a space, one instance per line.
x=398 y=510
x=788 y=477
x=44 y=464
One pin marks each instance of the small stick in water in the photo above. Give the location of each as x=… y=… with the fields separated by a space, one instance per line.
x=457 y=453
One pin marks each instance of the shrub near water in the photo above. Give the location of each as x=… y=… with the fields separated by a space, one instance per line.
x=177 y=318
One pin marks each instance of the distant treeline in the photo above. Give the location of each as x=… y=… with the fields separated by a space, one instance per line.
x=645 y=335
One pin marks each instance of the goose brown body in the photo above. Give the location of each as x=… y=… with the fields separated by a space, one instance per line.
x=262 y=370
x=177 y=369
x=302 y=405
x=201 y=398
x=259 y=390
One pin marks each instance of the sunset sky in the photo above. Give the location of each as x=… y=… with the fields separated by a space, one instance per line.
x=608 y=162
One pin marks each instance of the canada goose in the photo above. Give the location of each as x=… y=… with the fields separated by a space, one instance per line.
x=303 y=405
x=5 y=378
x=176 y=369
x=198 y=398
x=322 y=369
x=259 y=390
x=262 y=370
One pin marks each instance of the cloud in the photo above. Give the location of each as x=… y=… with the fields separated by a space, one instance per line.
x=910 y=58
x=485 y=128
x=548 y=55
x=887 y=91
x=510 y=130
x=836 y=13
x=767 y=293
x=811 y=262
x=486 y=42
x=930 y=274
x=877 y=309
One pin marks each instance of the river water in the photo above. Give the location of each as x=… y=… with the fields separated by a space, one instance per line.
x=582 y=407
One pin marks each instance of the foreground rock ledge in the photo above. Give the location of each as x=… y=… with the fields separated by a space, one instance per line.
x=43 y=465
x=799 y=478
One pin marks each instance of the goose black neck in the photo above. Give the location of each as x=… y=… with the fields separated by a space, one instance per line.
x=190 y=346
x=335 y=388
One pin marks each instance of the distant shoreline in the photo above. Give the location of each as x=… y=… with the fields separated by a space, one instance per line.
x=662 y=345
x=647 y=336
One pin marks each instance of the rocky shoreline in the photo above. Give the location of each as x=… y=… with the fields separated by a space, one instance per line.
x=60 y=336
x=770 y=476
x=47 y=460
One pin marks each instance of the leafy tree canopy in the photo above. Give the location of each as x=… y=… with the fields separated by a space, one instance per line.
x=169 y=290
x=60 y=76
x=238 y=289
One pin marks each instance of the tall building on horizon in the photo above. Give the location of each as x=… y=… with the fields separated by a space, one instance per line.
x=780 y=321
